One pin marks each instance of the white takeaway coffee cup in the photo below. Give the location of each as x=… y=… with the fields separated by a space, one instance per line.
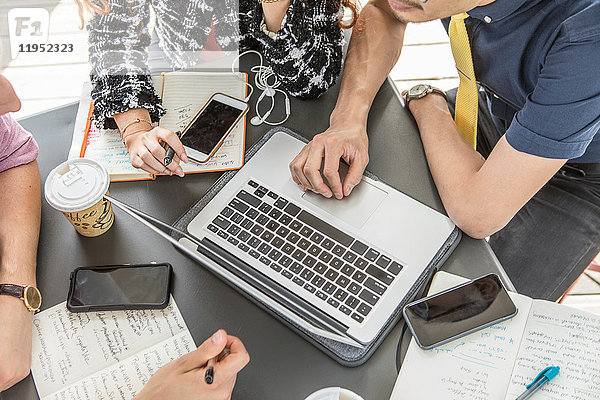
x=77 y=188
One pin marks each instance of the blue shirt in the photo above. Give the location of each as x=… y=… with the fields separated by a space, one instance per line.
x=539 y=61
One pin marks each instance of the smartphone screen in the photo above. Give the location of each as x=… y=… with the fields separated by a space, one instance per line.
x=215 y=120
x=450 y=314
x=120 y=287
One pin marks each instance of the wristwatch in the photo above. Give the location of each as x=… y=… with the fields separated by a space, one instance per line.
x=420 y=91
x=30 y=295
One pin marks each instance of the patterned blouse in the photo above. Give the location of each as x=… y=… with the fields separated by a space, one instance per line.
x=306 y=54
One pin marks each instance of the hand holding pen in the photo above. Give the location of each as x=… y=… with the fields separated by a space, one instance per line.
x=209 y=375
x=170 y=152
x=147 y=152
x=183 y=379
x=170 y=155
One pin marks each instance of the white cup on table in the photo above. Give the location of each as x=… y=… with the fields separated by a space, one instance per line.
x=334 y=393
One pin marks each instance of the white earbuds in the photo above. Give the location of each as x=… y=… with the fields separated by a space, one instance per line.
x=270 y=89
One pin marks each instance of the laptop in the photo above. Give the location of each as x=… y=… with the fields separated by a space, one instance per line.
x=337 y=268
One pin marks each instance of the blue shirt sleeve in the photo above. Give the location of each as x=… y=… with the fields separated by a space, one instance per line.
x=562 y=114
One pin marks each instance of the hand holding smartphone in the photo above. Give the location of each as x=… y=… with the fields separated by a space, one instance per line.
x=207 y=131
x=458 y=311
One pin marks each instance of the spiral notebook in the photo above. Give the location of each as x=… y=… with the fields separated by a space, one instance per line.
x=182 y=94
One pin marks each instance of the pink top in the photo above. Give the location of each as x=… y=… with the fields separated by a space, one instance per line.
x=17 y=146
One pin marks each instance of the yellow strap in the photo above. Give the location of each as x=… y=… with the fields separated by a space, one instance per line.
x=466 y=97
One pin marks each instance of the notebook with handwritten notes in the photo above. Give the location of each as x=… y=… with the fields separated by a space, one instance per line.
x=182 y=94
x=497 y=363
x=104 y=355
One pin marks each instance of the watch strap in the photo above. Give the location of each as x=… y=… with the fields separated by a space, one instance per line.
x=438 y=91
x=12 y=290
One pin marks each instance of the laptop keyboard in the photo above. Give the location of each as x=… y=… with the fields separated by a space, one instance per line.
x=326 y=262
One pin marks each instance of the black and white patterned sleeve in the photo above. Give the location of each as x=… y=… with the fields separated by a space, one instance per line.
x=306 y=54
x=118 y=56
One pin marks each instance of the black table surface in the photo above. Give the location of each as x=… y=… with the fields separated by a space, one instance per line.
x=283 y=365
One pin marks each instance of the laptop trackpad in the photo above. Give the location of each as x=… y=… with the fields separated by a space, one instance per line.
x=355 y=209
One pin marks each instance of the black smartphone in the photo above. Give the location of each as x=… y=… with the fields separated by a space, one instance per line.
x=207 y=131
x=120 y=287
x=459 y=311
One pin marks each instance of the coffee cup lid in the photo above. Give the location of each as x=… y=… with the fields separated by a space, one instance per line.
x=76 y=184
x=334 y=393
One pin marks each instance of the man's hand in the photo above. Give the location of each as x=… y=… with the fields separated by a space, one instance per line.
x=372 y=53
x=183 y=379
x=348 y=142
x=15 y=341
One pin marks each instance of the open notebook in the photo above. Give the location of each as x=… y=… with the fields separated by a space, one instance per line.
x=183 y=94
x=103 y=354
x=497 y=363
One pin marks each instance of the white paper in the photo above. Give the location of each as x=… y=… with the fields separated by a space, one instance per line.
x=562 y=336
x=104 y=355
x=475 y=367
x=103 y=145
x=81 y=120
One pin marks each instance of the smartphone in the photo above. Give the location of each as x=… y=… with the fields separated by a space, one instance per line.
x=120 y=287
x=207 y=131
x=458 y=311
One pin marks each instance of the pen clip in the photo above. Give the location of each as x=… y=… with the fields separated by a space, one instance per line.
x=548 y=373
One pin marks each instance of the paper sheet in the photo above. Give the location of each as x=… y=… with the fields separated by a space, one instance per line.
x=563 y=336
x=103 y=145
x=104 y=355
x=106 y=147
x=499 y=361
x=475 y=367
x=81 y=120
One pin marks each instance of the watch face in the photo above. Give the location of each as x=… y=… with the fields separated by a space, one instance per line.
x=33 y=298
x=418 y=90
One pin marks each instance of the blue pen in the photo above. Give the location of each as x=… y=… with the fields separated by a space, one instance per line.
x=543 y=377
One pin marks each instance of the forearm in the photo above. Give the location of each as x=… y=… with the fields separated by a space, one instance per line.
x=124 y=121
x=19 y=223
x=274 y=13
x=453 y=163
x=118 y=57
x=480 y=196
x=374 y=49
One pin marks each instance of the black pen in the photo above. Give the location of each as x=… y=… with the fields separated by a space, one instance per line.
x=209 y=376
x=170 y=152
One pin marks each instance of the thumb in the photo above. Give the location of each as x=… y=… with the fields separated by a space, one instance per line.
x=354 y=175
x=212 y=347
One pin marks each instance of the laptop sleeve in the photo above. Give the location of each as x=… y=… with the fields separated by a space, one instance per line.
x=343 y=353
